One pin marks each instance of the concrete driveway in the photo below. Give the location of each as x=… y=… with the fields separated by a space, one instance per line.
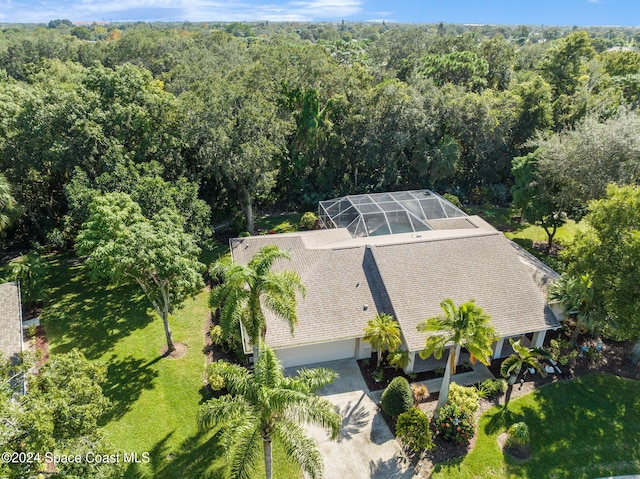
x=366 y=448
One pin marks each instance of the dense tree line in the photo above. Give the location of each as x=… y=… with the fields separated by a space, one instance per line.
x=216 y=120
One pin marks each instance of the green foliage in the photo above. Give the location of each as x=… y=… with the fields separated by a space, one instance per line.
x=154 y=254
x=308 y=220
x=466 y=325
x=263 y=405
x=32 y=272
x=383 y=333
x=465 y=397
x=61 y=410
x=518 y=434
x=244 y=289
x=606 y=252
x=490 y=388
x=397 y=397
x=576 y=295
x=216 y=334
x=453 y=199
x=561 y=351
x=399 y=358
x=7 y=203
x=455 y=424
x=413 y=429
x=522 y=357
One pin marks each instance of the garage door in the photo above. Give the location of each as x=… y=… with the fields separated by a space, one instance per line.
x=317 y=353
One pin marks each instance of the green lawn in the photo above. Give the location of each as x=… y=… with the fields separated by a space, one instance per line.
x=155 y=400
x=580 y=429
x=285 y=223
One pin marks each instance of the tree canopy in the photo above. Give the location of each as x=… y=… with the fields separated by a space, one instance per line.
x=154 y=253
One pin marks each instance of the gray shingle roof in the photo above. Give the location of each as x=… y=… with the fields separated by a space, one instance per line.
x=407 y=275
x=418 y=276
x=10 y=320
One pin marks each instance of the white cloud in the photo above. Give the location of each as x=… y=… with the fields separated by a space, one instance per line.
x=177 y=10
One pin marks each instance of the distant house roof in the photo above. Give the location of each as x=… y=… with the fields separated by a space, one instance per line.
x=10 y=320
x=349 y=280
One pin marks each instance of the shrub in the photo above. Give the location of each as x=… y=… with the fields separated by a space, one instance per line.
x=518 y=434
x=413 y=430
x=308 y=220
x=492 y=387
x=216 y=334
x=466 y=398
x=453 y=199
x=399 y=358
x=455 y=424
x=216 y=382
x=397 y=398
x=420 y=392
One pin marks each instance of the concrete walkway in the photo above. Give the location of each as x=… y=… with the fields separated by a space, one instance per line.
x=365 y=448
x=480 y=373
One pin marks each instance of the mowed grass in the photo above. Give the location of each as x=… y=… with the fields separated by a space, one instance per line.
x=580 y=429
x=155 y=400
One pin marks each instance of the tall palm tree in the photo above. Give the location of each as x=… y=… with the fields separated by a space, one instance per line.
x=383 y=333
x=577 y=297
x=521 y=357
x=7 y=203
x=245 y=290
x=467 y=325
x=263 y=405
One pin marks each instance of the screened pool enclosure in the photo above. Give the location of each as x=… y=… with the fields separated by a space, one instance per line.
x=387 y=213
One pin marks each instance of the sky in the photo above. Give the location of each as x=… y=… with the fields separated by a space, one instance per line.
x=518 y=12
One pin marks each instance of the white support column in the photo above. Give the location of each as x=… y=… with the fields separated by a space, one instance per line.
x=497 y=351
x=458 y=348
x=412 y=362
x=538 y=339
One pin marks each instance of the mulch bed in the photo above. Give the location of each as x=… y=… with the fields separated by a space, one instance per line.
x=41 y=345
x=368 y=367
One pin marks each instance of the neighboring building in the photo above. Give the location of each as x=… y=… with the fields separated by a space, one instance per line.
x=10 y=321
x=402 y=254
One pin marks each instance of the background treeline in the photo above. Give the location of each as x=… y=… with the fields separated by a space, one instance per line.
x=217 y=119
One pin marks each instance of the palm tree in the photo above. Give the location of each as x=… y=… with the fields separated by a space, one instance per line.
x=468 y=326
x=521 y=357
x=263 y=405
x=7 y=203
x=576 y=295
x=245 y=290
x=383 y=332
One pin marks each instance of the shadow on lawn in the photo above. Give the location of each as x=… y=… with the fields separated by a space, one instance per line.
x=194 y=459
x=587 y=427
x=87 y=315
x=126 y=379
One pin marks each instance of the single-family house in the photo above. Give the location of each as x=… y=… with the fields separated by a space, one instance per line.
x=400 y=253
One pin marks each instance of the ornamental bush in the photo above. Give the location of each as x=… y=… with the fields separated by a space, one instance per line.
x=308 y=220
x=492 y=387
x=398 y=397
x=413 y=430
x=455 y=424
x=466 y=398
x=518 y=434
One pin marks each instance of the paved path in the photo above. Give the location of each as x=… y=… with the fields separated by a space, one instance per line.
x=366 y=448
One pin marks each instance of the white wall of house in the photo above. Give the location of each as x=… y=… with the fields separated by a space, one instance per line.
x=317 y=353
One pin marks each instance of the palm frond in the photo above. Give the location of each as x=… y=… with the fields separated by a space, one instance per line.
x=268 y=370
x=312 y=379
x=508 y=365
x=312 y=409
x=224 y=410
x=247 y=452
x=299 y=447
x=236 y=377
